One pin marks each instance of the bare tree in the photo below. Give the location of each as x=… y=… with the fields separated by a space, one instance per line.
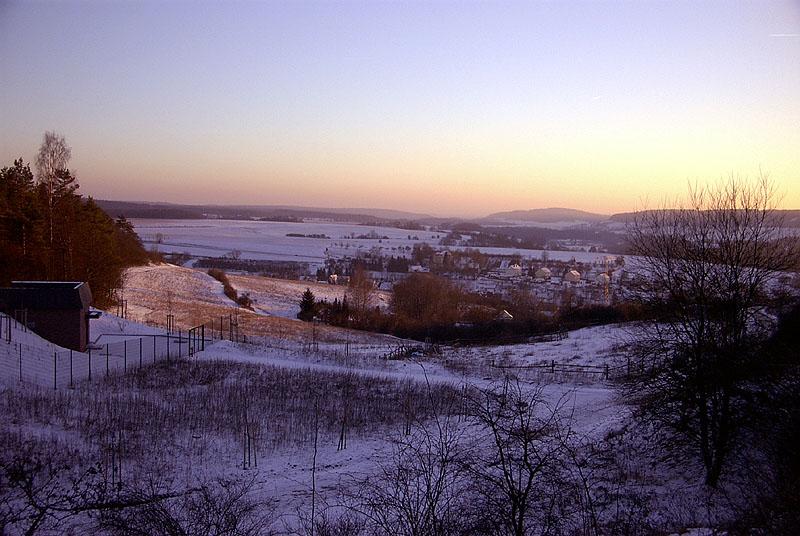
x=54 y=155
x=707 y=269
x=360 y=294
x=516 y=464
x=51 y=169
x=421 y=490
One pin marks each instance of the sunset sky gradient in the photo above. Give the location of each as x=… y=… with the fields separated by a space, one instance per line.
x=442 y=107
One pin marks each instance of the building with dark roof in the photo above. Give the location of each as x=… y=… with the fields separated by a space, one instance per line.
x=55 y=310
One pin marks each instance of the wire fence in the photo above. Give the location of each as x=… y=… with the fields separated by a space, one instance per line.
x=51 y=366
x=573 y=371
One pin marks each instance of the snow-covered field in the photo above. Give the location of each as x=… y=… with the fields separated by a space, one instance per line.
x=593 y=346
x=252 y=412
x=185 y=420
x=283 y=471
x=268 y=241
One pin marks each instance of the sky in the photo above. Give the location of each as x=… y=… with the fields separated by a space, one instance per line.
x=450 y=108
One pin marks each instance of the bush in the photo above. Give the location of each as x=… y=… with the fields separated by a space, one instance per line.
x=242 y=301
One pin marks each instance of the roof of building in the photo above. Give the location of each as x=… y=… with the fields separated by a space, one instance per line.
x=46 y=295
x=505 y=315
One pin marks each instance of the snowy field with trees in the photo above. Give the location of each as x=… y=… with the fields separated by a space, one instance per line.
x=206 y=403
x=265 y=240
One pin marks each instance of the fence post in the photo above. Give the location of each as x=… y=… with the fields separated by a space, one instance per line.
x=20 y=362
x=55 y=371
x=167 y=347
x=154 y=349
x=180 y=349
x=106 y=360
x=203 y=334
x=125 y=356
x=71 y=382
x=90 y=363
x=140 y=352
x=606 y=371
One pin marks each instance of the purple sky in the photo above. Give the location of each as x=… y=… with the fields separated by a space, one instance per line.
x=445 y=107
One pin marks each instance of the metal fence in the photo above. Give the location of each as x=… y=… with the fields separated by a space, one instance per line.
x=52 y=366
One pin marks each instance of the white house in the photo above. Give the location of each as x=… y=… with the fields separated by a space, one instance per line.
x=572 y=276
x=515 y=270
x=543 y=273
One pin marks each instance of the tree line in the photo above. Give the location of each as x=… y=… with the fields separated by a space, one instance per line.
x=426 y=306
x=49 y=231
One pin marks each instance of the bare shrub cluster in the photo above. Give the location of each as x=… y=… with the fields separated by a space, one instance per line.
x=161 y=405
x=242 y=300
x=511 y=465
x=50 y=487
x=112 y=453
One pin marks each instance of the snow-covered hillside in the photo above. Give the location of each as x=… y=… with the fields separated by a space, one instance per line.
x=117 y=345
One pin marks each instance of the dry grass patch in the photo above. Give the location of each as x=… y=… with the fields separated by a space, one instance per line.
x=193 y=297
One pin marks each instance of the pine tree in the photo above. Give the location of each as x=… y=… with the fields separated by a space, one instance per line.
x=308 y=306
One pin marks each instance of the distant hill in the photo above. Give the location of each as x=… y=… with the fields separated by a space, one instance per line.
x=547 y=215
x=150 y=210
x=382 y=213
x=786 y=218
x=135 y=209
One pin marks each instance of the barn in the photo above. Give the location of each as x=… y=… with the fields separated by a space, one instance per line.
x=55 y=310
